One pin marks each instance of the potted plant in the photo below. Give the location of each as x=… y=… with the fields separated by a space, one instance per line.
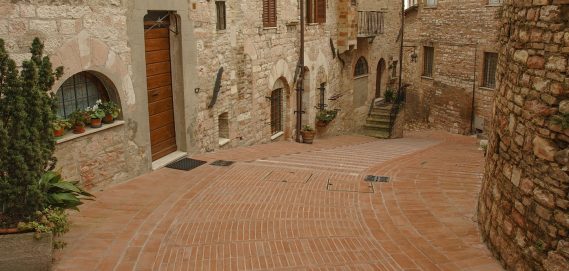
x=77 y=120
x=389 y=95
x=308 y=134
x=324 y=117
x=97 y=114
x=59 y=127
x=112 y=111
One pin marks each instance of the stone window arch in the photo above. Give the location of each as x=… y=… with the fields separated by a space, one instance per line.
x=82 y=90
x=361 y=68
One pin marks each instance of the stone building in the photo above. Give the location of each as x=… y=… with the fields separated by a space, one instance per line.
x=196 y=76
x=523 y=207
x=450 y=61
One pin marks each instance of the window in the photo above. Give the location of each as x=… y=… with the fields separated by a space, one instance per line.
x=495 y=2
x=431 y=3
x=316 y=11
x=80 y=91
x=269 y=13
x=428 y=60
x=490 y=64
x=394 y=70
x=277 y=111
x=221 y=19
x=223 y=126
x=354 y=2
x=361 y=67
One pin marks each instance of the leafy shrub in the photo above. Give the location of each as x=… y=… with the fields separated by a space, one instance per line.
x=52 y=220
x=61 y=193
x=326 y=115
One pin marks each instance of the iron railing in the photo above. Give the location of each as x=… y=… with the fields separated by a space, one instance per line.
x=397 y=105
x=370 y=23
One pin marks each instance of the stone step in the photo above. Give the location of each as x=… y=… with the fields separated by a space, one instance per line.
x=377 y=127
x=377 y=134
x=376 y=118
x=372 y=121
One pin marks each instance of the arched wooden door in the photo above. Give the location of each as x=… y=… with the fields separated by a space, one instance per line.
x=379 y=80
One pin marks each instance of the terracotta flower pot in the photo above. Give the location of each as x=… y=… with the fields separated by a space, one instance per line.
x=79 y=129
x=321 y=123
x=308 y=136
x=96 y=123
x=59 y=133
x=108 y=119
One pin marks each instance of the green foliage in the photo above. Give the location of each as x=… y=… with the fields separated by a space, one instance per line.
x=26 y=116
x=96 y=112
x=390 y=95
x=58 y=124
x=111 y=108
x=79 y=117
x=52 y=220
x=307 y=128
x=326 y=115
x=61 y=193
x=561 y=120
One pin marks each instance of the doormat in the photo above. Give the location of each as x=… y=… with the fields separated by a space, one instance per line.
x=222 y=163
x=186 y=164
x=377 y=179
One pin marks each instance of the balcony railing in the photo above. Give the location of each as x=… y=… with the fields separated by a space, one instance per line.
x=370 y=23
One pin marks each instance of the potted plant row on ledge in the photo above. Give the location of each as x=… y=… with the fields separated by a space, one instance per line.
x=95 y=116
x=325 y=116
x=34 y=199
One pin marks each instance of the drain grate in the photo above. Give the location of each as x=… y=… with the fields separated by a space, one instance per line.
x=186 y=164
x=222 y=163
x=377 y=179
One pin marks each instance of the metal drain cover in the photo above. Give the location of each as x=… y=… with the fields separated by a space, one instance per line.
x=377 y=179
x=186 y=164
x=222 y=163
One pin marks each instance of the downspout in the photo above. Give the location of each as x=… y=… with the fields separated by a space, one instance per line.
x=474 y=89
x=401 y=45
x=300 y=83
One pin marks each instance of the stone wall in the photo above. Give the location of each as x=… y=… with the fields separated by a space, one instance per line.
x=523 y=206
x=460 y=32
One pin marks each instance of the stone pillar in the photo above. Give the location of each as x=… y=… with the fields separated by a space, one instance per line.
x=523 y=206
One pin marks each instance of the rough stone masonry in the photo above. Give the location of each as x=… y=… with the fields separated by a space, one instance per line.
x=523 y=207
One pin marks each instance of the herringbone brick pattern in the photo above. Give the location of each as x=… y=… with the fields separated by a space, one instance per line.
x=287 y=206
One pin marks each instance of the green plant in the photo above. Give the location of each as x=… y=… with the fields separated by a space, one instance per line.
x=26 y=116
x=307 y=128
x=561 y=120
x=96 y=111
x=111 y=108
x=50 y=220
x=326 y=115
x=389 y=95
x=61 y=193
x=79 y=117
x=59 y=124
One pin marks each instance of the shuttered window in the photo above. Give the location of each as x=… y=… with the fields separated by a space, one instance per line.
x=221 y=16
x=490 y=64
x=428 y=61
x=315 y=11
x=269 y=13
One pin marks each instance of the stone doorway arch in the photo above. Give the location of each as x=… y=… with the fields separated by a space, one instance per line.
x=379 y=77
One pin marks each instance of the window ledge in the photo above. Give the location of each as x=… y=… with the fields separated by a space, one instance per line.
x=429 y=7
x=427 y=77
x=223 y=141
x=487 y=88
x=88 y=131
x=277 y=135
x=493 y=6
x=361 y=76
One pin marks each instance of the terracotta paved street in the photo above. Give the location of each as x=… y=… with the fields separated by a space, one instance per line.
x=288 y=206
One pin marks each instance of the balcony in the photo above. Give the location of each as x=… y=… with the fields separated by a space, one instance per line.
x=370 y=23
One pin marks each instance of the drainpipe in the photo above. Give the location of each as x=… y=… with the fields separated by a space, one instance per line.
x=401 y=45
x=300 y=83
x=472 y=115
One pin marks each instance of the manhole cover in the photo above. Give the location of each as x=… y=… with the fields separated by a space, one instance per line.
x=186 y=164
x=377 y=179
x=222 y=163
x=288 y=176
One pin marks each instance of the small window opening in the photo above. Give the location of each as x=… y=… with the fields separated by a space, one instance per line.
x=221 y=15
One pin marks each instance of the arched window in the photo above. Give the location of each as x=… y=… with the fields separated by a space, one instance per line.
x=361 y=67
x=80 y=91
x=277 y=111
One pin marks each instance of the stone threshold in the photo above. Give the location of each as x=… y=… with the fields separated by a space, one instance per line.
x=162 y=162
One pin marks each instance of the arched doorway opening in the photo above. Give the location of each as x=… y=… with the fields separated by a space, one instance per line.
x=379 y=80
x=361 y=72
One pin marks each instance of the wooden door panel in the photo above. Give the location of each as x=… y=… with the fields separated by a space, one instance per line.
x=161 y=119
x=159 y=154
x=157 y=56
x=156 y=33
x=158 y=68
x=162 y=134
x=158 y=94
x=160 y=106
x=157 y=44
x=159 y=80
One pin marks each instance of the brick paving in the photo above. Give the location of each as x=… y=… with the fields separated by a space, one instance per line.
x=288 y=206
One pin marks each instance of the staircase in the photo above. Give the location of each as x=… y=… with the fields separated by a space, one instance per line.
x=379 y=121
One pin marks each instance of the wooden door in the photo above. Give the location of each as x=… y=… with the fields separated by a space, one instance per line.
x=378 y=82
x=159 y=85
